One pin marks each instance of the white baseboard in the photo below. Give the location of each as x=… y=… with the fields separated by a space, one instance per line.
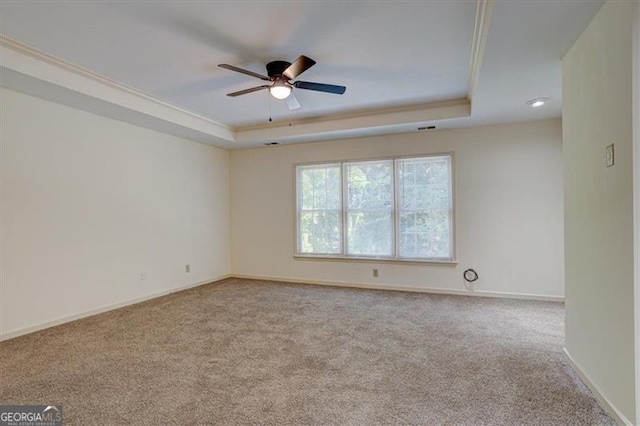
x=503 y=295
x=89 y=313
x=42 y=326
x=602 y=399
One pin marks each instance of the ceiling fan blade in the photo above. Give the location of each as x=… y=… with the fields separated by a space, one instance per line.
x=298 y=67
x=243 y=71
x=245 y=91
x=292 y=102
x=320 y=87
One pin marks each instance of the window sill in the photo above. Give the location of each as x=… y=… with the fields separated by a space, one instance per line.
x=376 y=260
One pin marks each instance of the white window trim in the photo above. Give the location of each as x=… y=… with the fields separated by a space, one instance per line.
x=395 y=249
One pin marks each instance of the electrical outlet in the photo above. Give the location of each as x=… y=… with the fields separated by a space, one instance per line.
x=187 y=268
x=143 y=275
x=375 y=273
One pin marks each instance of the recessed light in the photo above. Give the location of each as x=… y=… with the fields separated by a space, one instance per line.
x=537 y=102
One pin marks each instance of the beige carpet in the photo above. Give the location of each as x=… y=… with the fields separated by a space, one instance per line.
x=249 y=352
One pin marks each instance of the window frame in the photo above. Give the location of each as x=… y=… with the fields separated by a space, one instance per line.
x=298 y=210
x=346 y=210
x=395 y=232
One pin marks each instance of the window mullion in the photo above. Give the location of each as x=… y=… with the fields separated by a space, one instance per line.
x=344 y=207
x=395 y=229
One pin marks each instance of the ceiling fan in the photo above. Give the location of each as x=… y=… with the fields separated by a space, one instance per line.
x=280 y=74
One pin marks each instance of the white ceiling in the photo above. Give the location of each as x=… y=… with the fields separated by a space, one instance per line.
x=388 y=54
x=522 y=61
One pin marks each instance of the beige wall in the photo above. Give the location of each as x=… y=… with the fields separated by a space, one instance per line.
x=509 y=208
x=88 y=203
x=599 y=256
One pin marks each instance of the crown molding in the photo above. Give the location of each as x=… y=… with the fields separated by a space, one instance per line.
x=356 y=124
x=484 y=11
x=58 y=73
x=40 y=74
x=381 y=120
x=61 y=63
x=367 y=112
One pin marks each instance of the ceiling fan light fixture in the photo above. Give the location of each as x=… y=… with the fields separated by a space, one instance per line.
x=280 y=91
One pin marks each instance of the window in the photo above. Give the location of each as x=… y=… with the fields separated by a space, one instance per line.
x=319 y=209
x=398 y=208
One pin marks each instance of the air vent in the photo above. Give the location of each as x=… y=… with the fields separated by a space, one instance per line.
x=426 y=128
x=272 y=143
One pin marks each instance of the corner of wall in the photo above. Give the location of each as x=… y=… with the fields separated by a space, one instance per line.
x=636 y=193
x=597 y=84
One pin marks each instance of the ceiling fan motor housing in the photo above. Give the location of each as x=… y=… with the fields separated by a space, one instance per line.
x=276 y=68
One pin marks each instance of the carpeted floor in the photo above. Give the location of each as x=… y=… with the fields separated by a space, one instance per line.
x=249 y=352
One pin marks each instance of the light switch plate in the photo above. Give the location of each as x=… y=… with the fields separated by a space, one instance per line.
x=610 y=155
